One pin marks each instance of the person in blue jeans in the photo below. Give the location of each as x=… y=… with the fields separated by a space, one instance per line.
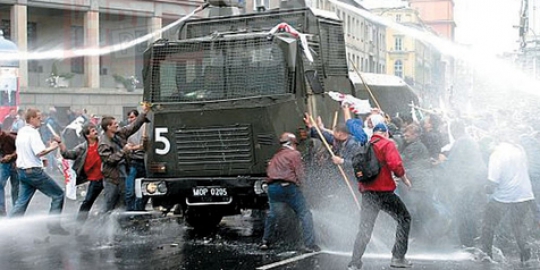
x=113 y=149
x=32 y=177
x=136 y=165
x=8 y=169
x=285 y=174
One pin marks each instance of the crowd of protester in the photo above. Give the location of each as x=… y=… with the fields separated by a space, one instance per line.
x=462 y=176
x=467 y=173
x=33 y=145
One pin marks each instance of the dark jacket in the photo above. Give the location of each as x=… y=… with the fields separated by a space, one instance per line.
x=417 y=163
x=78 y=154
x=346 y=150
x=113 y=158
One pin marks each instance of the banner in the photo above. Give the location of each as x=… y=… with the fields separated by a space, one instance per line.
x=70 y=178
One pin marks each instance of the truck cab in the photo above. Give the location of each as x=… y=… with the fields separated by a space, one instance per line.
x=223 y=93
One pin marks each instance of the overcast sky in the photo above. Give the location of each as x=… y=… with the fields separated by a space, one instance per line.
x=488 y=24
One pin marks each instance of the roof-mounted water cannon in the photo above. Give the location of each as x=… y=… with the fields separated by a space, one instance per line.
x=218 y=8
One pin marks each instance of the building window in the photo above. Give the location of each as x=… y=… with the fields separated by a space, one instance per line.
x=398 y=68
x=261 y=3
x=398 y=17
x=77 y=42
x=398 y=44
x=31 y=29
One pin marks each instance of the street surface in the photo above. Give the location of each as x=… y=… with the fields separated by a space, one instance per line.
x=133 y=242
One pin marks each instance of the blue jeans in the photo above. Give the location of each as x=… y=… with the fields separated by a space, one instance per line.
x=94 y=189
x=136 y=170
x=34 y=179
x=292 y=196
x=8 y=170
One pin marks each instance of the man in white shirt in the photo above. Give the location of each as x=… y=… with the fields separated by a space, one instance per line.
x=32 y=177
x=512 y=194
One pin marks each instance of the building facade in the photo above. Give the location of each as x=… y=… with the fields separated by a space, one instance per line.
x=417 y=62
x=438 y=15
x=365 y=40
x=58 y=28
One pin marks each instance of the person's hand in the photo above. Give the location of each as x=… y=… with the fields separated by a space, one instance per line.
x=54 y=144
x=320 y=123
x=307 y=120
x=406 y=181
x=337 y=160
x=128 y=147
x=56 y=138
x=146 y=106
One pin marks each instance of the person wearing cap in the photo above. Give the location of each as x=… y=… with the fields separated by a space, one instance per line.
x=379 y=195
x=285 y=175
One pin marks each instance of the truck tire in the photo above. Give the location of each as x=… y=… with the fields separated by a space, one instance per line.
x=201 y=218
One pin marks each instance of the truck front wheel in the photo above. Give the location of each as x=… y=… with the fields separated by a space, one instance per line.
x=202 y=218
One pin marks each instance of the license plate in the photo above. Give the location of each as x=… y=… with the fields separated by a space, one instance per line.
x=209 y=191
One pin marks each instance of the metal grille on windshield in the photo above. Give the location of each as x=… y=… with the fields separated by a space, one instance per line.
x=219 y=70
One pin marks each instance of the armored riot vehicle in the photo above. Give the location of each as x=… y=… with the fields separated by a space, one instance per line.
x=223 y=93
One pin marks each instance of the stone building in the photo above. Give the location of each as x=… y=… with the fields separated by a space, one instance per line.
x=96 y=82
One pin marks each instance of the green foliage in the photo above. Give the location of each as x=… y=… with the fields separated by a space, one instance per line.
x=54 y=72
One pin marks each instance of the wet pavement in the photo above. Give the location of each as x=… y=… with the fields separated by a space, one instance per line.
x=154 y=242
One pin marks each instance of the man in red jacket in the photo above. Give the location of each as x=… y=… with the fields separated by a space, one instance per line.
x=379 y=195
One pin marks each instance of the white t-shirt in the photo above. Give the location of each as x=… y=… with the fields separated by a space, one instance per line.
x=29 y=144
x=508 y=168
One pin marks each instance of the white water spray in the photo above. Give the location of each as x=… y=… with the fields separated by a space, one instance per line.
x=485 y=64
x=63 y=54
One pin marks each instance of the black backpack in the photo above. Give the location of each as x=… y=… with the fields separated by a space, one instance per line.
x=366 y=165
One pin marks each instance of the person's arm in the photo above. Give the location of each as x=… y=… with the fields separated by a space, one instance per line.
x=37 y=145
x=346 y=112
x=136 y=125
x=298 y=167
x=107 y=155
x=393 y=160
x=71 y=154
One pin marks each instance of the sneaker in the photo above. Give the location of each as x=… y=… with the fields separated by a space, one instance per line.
x=57 y=230
x=264 y=245
x=400 y=263
x=312 y=248
x=354 y=266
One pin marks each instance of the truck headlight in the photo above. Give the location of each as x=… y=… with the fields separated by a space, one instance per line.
x=151 y=188
x=259 y=187
x=155 y=188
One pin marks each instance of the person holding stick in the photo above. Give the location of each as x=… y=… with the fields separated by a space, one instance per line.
x=379 y=195
x=32 y=177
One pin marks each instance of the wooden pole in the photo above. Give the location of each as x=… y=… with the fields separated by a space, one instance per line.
x=365 y=85
x=345 y=178
x=334 y=123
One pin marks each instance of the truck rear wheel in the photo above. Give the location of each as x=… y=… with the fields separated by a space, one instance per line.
x=202 y=218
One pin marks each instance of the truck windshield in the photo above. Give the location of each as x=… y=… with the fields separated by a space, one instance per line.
x=221 y=70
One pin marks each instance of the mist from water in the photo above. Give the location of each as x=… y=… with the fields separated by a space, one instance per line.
x=488 y=67
x=65 y=54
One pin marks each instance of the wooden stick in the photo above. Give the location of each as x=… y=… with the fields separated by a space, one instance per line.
x=345 y=178
x=365 y=85
x=334 y=123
